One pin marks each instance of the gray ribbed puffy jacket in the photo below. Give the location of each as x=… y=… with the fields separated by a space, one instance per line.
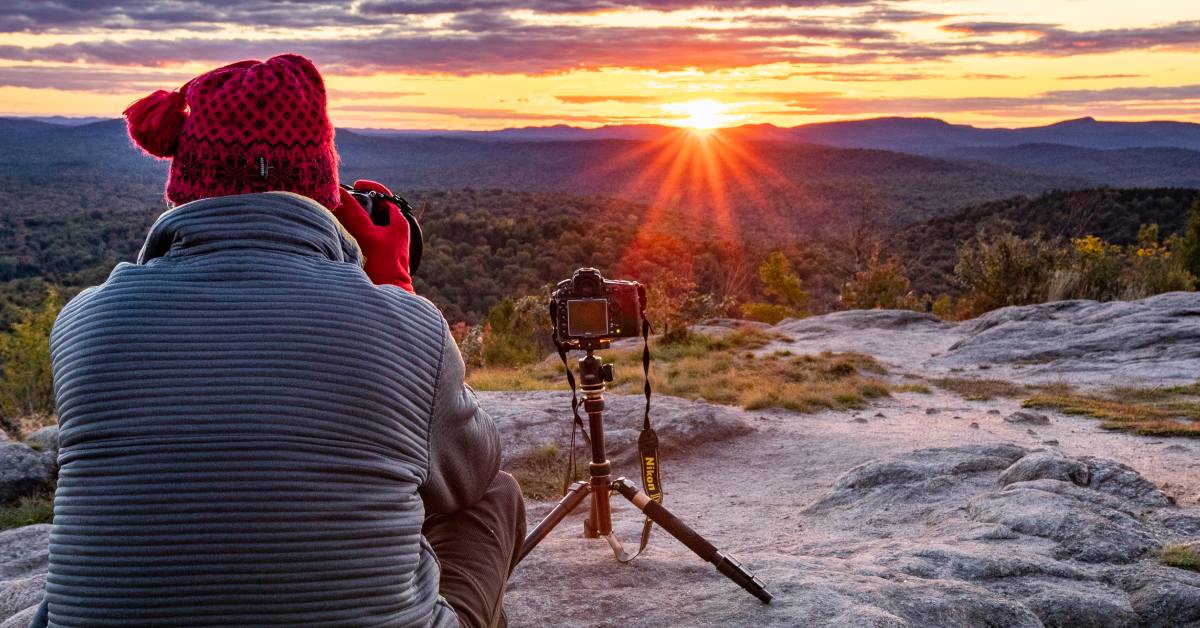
x=252 y=433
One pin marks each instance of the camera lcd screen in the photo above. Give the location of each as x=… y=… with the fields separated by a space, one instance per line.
x=587 y=318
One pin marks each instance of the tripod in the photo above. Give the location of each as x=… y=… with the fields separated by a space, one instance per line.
x=593 y=373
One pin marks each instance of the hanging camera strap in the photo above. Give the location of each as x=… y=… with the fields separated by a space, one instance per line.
x=578 y=424
x=647 y=444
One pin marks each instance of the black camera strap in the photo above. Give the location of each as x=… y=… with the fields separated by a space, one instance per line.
x=578 y=424
x=647 y=445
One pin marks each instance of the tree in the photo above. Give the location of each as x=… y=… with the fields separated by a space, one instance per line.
x=1191 y=241
x=881 y=284
x=780 y=281
x=26 y=380
x=1005 y=269
x=782 y=287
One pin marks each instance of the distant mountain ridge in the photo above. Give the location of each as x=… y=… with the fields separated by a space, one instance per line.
x=928 y=136
x=924 y=136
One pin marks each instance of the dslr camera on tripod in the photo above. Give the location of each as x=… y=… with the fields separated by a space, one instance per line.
x=588 y=311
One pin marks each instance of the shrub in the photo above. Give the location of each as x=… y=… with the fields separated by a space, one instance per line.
x=26 y=380
x=783 y=287
x=1154 y=268
x=27 y=511
x=1093 y=271
x=519 y=332
x=770 y=313
x=881 y=284
x=1190 y=246
x=1005 y=269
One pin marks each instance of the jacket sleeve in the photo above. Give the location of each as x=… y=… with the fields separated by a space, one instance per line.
x=464 y=445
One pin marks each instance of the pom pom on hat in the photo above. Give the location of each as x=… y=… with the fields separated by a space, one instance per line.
x=156 y=121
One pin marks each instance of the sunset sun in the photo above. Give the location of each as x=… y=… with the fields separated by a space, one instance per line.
x=703 y=114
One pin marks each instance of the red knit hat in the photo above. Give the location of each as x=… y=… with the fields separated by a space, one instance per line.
x=246 y=127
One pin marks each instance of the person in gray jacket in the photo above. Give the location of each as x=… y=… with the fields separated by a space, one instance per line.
x=253 y=432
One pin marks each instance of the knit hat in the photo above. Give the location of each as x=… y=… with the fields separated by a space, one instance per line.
x=246 y=127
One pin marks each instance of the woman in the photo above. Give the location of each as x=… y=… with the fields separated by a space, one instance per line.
x=253 y=432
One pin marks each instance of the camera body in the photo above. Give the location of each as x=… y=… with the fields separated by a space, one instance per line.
x=588 y=309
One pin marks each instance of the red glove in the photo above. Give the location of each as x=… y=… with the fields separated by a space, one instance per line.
x=384 y=248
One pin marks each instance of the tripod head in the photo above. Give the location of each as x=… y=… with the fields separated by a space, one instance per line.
x=594 y=372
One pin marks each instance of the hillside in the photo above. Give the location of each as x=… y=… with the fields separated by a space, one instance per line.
x=1123 y=167
x=930 y=247
x=68 y=215
x=766 y=186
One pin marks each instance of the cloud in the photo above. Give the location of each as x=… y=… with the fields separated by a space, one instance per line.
x=353 y=94
x=1080 y=77
x=89 y=79
x=996 y=28
x=484 y=113
x=1113 y=101
x=587 y=100
x=39 y=16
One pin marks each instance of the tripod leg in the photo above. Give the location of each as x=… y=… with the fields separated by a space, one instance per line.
x=577 y=492
x=731 y=568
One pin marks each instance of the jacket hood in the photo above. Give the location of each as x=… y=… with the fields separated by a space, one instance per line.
x=273 y=221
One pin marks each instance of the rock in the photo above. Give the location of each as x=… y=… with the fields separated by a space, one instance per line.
x=528 y=420
x=946 y=562
x=1046 y=465
x=914 y=476
x=973 y=425
x=1030 y=418
x=859 y=420
x=1050 y=442
x=1183 y=525
x=44 y=440
x=24 y=552
x=1161 y=596
x=1060 y=605
x=1153 y=341
x=1177 y=449
x=993 y=411
x=1087 y=525
x=19 y=594
x=21 y=619
x=24 y=471
x=1114 y=478
x=932 y=410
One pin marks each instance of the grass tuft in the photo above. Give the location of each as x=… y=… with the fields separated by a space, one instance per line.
x=1173 y=411
x=28 y=511
x=1181 y=556
x=980 y=389
x=723 y=370
x=541 y=473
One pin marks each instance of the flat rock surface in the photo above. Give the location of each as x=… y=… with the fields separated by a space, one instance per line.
x=529 y=420
x=910 y=519
x=1153 y=341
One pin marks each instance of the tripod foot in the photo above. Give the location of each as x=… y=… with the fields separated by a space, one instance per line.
x=729 y=567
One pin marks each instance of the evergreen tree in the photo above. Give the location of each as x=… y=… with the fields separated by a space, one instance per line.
x=26 y=383
x=1191 y=241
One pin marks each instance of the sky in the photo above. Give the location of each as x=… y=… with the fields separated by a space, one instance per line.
x=449 y=64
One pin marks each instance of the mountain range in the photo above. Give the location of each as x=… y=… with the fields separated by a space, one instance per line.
x=526 y=204
x=929 y=136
